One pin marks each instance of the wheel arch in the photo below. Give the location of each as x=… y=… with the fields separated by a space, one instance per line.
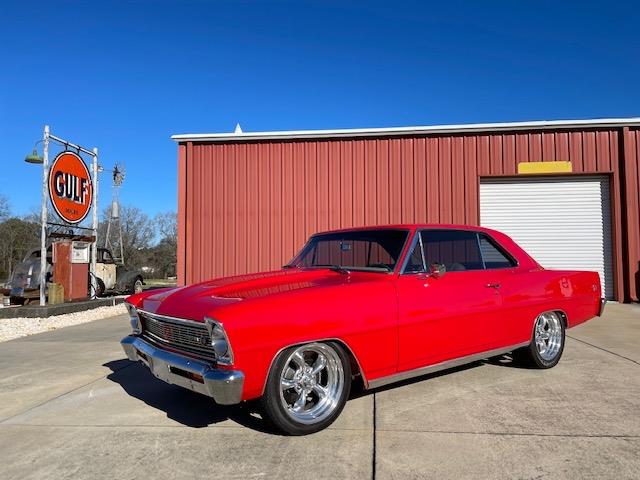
x=563 y=316
x=356 y=369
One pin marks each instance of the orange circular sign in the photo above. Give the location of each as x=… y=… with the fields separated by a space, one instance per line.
x=70 y=187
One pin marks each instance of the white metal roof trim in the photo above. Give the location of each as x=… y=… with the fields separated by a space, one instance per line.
x=406 y=131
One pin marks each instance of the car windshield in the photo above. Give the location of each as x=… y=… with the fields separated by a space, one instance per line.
x=372 y=250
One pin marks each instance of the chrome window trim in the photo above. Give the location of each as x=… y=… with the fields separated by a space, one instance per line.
x=484 y=265
x=414 y=241
x=477 y=233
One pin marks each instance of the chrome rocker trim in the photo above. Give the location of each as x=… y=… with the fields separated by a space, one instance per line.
x=456 y=362
x=224 y=386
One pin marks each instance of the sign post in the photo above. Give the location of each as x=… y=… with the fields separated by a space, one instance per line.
x=43 y=216
x=94 y=224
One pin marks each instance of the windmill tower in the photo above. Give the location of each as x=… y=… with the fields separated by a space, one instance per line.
x=114 y=222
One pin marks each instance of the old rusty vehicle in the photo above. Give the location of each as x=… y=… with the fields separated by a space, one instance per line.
x=111 y=277
x=378 y=304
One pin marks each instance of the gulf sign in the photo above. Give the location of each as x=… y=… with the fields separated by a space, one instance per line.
x=70 y=187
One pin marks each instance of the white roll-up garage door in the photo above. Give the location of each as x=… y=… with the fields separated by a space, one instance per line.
x=562 y=222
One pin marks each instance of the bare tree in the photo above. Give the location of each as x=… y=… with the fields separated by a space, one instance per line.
x=5 y=208
x=137 y=233
x=167 y=226
x=17 y=237
x=163 y=256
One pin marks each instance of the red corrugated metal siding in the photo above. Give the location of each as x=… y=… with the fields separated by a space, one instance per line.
x=245 y=207
x=632 y=209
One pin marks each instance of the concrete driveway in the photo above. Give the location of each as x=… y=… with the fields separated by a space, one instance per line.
x=72 y=407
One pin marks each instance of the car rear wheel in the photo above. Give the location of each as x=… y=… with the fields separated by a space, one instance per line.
x=307 y=388
x=547 y=342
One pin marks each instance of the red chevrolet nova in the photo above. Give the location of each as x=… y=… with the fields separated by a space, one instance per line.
x=381 y=304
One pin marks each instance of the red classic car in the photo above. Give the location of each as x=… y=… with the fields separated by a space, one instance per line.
x=381 y=304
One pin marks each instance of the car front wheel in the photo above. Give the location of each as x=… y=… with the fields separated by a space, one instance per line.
x=547 y=342
x=307 y=388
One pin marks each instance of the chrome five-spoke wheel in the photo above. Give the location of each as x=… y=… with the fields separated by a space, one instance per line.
x=307 y=387
x=548 y=335
x=311 y=383
x=547 y=342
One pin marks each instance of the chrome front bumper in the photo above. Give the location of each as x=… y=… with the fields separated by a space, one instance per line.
x=224 y=386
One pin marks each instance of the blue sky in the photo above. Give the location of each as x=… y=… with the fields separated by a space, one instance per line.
x=124 y=76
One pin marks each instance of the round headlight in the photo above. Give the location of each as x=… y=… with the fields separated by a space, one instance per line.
x=219 y=342
x=220 y=346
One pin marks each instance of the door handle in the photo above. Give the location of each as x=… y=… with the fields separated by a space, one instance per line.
x=492 y=285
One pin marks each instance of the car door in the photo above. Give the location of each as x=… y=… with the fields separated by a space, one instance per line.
x=512 y=282
x=450 y=315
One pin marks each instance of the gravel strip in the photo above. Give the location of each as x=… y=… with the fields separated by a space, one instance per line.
x=11 y=328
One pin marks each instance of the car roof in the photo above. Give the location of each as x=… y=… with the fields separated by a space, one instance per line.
x=412 y=226
x=523 y=258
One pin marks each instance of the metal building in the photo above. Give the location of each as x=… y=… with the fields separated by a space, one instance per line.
x=567 y=191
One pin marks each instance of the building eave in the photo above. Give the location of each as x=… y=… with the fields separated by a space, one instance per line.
x=408 y=131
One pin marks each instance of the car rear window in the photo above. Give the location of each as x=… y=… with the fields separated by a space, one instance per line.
x=492 y=255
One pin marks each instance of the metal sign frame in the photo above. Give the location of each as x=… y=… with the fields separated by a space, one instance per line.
x=47 y=137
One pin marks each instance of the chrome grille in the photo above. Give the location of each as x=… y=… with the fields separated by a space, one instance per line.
x=185 y=335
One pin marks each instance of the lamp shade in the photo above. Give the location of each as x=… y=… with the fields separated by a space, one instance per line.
x=34 y=157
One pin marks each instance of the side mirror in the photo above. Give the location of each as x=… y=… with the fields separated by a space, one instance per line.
x=437 y=270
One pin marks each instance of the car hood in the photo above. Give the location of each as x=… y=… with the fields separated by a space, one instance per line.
x=194 y=302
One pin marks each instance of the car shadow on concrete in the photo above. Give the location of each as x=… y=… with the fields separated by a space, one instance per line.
x=183 y=406
x=198 y=411
x=507 y=360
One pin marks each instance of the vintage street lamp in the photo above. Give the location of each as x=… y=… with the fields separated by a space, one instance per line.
x=43 y=160
x=34 y=157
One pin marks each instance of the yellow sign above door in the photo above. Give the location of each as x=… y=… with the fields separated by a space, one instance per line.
x=544 y=167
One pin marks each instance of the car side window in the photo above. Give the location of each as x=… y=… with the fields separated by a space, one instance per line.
x=492 y=255
x=457 y=250
x=415 y=262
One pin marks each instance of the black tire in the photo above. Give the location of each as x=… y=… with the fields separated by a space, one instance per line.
x=337 y=370
x=100 y=288
x=543 y=352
